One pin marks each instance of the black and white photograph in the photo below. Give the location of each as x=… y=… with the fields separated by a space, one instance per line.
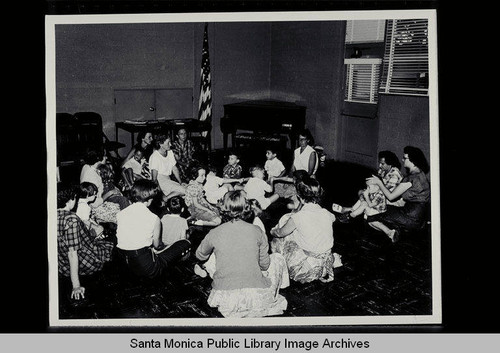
x=245 y=169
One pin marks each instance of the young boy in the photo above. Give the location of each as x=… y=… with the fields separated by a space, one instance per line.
x=215 y=187
x=233 y=169
x=256 y=188
x=273 y=166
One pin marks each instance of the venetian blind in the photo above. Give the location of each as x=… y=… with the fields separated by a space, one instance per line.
x=362 y=78
x=406 y=57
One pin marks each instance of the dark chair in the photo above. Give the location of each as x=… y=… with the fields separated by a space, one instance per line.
x=90 y=134
x=67 y=139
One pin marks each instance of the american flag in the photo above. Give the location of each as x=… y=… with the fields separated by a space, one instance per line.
x=205 y=103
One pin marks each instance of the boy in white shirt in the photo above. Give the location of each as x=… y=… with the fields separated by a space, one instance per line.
x=256 y=188
x=273 y=166
x=214 y=186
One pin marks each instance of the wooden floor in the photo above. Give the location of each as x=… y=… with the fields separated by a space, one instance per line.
x=377 y=278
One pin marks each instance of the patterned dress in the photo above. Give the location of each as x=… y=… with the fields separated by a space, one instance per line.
x=194 y=191
x=72 y=234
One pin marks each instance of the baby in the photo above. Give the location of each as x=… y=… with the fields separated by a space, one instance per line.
x=371 y=201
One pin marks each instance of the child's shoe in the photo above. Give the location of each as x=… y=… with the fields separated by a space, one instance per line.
x=200 y=271
x=344 y=217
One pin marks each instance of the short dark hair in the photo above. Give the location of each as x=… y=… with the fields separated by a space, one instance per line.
x=390 y=158
x=161 y=138
x=193 y=171
x=143 y=190
x=87 y=189
x=234 y=153
x=307 y=134
x=92 y=156
x=175 y=204
x=309 y=190
x=65 y=193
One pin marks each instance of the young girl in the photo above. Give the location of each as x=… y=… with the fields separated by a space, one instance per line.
x=256 y=187
x=246 y=280
x=174 y=226
x=200 y=209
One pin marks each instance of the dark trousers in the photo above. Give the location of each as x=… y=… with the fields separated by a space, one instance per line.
x=144 y=262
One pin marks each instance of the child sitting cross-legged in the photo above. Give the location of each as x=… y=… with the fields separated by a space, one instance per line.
x=232 y=170
x=174 y=226
x=202 y=212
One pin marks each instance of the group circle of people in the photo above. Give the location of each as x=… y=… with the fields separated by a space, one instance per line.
x=247 y=264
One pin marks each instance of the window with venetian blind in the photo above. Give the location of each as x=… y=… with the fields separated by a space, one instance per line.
x=406 y=58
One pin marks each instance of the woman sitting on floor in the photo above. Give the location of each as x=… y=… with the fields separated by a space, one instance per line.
x=163 y=165
x=139 y=234
x=247 y=279
x=414 y=189
x=305 y=237
x=80 y=251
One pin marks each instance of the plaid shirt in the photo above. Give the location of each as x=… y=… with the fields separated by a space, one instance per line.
x=72 y=234
x=380 y=202
x=183 y=152
x=391 y=178
x=232 y=171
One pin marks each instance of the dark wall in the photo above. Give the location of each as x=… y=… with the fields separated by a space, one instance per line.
x=404 y=120
x=306 y=67
x=93 y=60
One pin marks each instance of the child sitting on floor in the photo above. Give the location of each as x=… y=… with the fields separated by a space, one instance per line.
x=273 y=166
x=135 y=168
x=371 y=201
x=233 y=169
x=256 y=187
x=215 y=187
x=200 y=209
x=174 y=226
